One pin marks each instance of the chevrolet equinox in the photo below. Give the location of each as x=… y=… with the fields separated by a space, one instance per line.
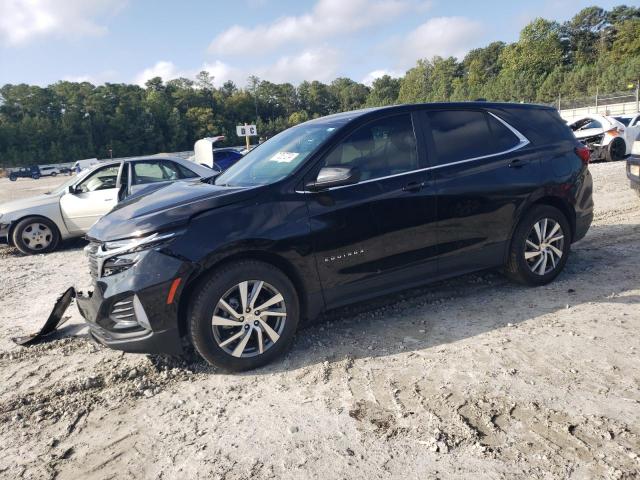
x=334 y=211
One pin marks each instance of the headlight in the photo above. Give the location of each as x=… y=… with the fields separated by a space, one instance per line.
x=118 y=256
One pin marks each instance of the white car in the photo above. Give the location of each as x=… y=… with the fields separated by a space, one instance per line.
x=37 y=224
x=607 y=137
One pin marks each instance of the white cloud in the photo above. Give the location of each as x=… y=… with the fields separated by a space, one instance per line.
x=328 y=18
x=313 y=64
x=375 y=74
x=166 y=70
x=443 y=36
x=22 y=21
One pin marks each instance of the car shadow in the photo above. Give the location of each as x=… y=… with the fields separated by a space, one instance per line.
x=65 y=245
x=449 y=311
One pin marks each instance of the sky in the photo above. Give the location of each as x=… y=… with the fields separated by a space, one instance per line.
x=130 y=41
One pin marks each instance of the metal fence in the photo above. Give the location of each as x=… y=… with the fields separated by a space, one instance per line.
x=616 y=103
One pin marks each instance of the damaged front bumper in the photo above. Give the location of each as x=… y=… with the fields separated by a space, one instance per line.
x=129 y=311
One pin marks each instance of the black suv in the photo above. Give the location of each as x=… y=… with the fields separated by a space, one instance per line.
x=26 y=172
x=335 y=211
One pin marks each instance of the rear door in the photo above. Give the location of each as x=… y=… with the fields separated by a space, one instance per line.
x=481 y=173
x=374 y=236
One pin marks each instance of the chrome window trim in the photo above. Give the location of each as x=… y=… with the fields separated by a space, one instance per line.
x=523 y=142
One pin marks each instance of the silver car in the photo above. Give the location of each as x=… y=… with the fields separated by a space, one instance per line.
x=38 y=224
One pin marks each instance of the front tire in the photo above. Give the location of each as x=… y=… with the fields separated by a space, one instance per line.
x=34 y=235
x=539 y=247
x=244 y=315
x=13 y=178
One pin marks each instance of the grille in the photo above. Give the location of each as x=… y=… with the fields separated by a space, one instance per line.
x=92 y=250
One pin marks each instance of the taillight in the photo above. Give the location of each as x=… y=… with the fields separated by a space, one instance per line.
x=584 y=154
x=614 y=132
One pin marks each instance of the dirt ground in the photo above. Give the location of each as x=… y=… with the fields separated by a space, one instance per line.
x=470 y=378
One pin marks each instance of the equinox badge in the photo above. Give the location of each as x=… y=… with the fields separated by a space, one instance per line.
x=342 y=256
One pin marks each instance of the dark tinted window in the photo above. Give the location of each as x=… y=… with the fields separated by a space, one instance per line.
x=381 y=148
x=504 y=139
x=185 y=172
x=460 y=135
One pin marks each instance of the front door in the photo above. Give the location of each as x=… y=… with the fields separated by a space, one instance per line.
x=93 y=198
x=374 y=236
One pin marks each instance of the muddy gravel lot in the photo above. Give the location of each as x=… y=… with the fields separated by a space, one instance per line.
x=470 y=378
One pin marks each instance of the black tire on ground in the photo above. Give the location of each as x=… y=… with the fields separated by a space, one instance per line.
x=53 y=174
x=517 y=268
x=211 y=291
x=35 y=176
x=46 y=235
x=616 y=150
x=13 y=178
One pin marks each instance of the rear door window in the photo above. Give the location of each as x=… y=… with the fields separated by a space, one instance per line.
x=154 y=171
x=465 y=134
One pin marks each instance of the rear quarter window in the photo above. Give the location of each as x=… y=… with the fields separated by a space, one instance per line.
x=539 y=125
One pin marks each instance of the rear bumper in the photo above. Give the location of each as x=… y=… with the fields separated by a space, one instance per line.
x=145 y=287
x=582 y=226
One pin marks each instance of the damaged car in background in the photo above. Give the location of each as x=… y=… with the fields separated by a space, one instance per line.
x=606 y=137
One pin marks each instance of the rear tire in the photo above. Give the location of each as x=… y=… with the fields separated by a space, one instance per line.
x=616 y=150
x=539 y=247
x=245 y=337
x=13 y=178
x=33 y=235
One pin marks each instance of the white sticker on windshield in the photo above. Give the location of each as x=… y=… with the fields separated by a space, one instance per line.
x=284 y=157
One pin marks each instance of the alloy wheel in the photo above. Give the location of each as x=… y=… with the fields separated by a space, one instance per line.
x=37 y=236
x=249 y=318
x=544 y=246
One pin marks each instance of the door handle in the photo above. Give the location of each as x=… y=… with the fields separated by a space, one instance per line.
x=518 y=163
x=108 y=199
x=413 y=187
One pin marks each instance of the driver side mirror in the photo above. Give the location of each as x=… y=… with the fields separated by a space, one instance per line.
x=329 y=177
x=72 y=189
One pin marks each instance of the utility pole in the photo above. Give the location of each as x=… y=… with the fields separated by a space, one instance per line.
x=596 y=99
x=638 y=96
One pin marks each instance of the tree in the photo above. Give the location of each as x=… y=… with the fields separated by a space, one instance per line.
x=384 y=91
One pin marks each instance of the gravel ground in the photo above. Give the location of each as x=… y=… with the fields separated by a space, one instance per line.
x=470 y=378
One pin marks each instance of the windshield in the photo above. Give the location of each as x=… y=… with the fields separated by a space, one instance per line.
x=623 y=120
x=278 y=156
x=69 y=182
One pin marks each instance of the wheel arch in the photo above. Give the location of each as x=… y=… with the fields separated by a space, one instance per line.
x=553 y=201
x=198 y=277
x=15 y=223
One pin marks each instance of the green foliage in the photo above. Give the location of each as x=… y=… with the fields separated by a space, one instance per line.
x=596 y=49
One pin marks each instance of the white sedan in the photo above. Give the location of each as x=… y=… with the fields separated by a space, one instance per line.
x=37 y=224
x=607 y=137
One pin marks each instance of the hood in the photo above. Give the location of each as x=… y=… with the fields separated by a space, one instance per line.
x=28 y=203
x=169 y=207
